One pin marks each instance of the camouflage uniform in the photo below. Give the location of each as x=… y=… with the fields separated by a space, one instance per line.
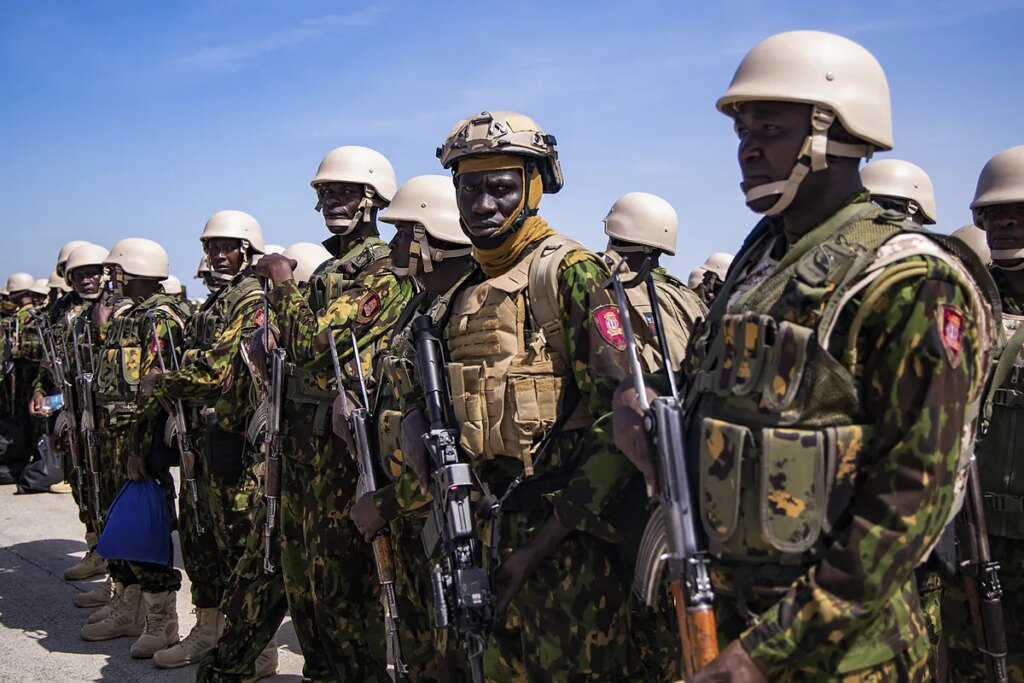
x=28 y=355
x=570 y=619
x=843 y=456
x=226 y=495
x=131 y=424
x=999 y=466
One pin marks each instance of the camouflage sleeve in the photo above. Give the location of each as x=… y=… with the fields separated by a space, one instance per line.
x=596 y=350
x=916 y=388
x=154 y=348
x=401 y=498
x=204 y=378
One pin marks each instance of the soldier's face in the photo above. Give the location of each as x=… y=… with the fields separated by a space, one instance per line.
x=86 y=280
x=770 y=137
x=1004 y=229
x=225 y=255
x=401 y=243
x=488 y=199
x=339 y=201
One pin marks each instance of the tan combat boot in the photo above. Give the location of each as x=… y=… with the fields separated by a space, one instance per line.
x=126 y=619
x=266 y=663
x=104 y=612
x=97 y=597
x=91 y=565
x=161 y=624
x=200 y=640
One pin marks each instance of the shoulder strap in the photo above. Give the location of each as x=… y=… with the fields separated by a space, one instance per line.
x=542 y=281
x=1007 y=356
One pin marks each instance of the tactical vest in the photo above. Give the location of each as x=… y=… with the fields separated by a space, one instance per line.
x=773 y=417
x=30 y=346
x=1000 y=465
x=119 y=364
x=507 y=371
x=216 y=313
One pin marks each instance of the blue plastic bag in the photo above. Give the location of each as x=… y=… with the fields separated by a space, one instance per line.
x=138 y=525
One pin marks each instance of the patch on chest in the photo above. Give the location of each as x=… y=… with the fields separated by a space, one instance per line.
x=609 y=326
x=951 y=332
x=259 y=319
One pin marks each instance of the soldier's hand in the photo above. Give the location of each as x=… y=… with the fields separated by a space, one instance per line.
x=414 y=451
x=511 y=576
x=260 y=343
x=732 y=665
x=630 y=437
x=148 y=383
x=340 y=421
x=37 y=406
x=137 y=468
x=365 y=516
x=276 y=268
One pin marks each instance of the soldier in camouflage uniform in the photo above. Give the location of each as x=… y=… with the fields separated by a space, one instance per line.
x=145 y=605
x=431 y=248
x=999 y=210
x=26 y=353
x=831 y=390
x=537 y=342
x=226 y=496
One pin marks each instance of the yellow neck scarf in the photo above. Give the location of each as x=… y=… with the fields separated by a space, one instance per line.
x=500 y=259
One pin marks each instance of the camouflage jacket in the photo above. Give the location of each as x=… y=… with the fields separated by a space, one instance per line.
x=834 y=592
x=28 y=347
x=215 y=332
x=60 y=319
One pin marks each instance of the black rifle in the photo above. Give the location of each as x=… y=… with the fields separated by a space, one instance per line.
x=981 y=576
x=671 y=540
x=383 y=550
x=463 y=598
x=85 y=380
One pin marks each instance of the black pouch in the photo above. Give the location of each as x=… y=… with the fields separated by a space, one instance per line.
x=225 y=451
x=161 y=457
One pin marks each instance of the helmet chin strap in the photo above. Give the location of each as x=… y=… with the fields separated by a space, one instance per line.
x=364 y=213
x=420 y=252
x=1008 y=255
x=813 y=157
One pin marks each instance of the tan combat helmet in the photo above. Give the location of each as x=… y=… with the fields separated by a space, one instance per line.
x=40 y=287
x=57 y=282
x=429 y=202
x=171 y=286
x=362 y=166
x=974 y=237
x=309 y=256
x=235 y=225
x=267 y=249
x=65 y=251
x=642 y=222
x=1001 y=182
x=137 y=257
x=19 y=283
x=905 y=183
x=696 y=277
x=718 y=263
x=86 y=255
x=504 y=132
x=837 y=77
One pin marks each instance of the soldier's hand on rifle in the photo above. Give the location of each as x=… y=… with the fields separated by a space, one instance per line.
x=414 y=451
x=262 y=341
x=364 y=515
x=630 y=437
x=340 y=420
x=137 y=468
x=276 y=268
x=37 y=406
x=732 y=665
x=148 y=383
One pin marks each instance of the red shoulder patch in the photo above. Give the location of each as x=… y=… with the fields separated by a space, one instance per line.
x=609 y=325
x=154 y=349
x=259 y=319
x=368 y=307
x=951 y=332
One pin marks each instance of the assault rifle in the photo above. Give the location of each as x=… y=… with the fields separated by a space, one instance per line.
x=463 y=598
x=65 y=423
x=671 y=540
x=273 y=447
x=12 y=330
x=383 y=551
x=85 y=378
x=177 y=414
x=981 y=576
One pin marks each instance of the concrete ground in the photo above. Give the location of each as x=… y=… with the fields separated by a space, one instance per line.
x=40 y=537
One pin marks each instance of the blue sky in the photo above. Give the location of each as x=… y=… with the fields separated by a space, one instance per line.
x=124 y=118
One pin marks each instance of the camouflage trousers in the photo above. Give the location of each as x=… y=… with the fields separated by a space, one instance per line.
x=423 y=649
x=570 y=620
x=116 y=444
x=225 y=513
x=965 y=660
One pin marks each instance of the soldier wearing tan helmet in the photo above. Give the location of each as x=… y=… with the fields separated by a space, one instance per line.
x=308 y=256
x=998 y=209
x=22 y=355
x=901 y=186
x=355 y=291
x=131 y=430
x=707 y=279
x=429 y=246
x=541 y=294
x=231 y=241
x=875 y=353
x=640 y=228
